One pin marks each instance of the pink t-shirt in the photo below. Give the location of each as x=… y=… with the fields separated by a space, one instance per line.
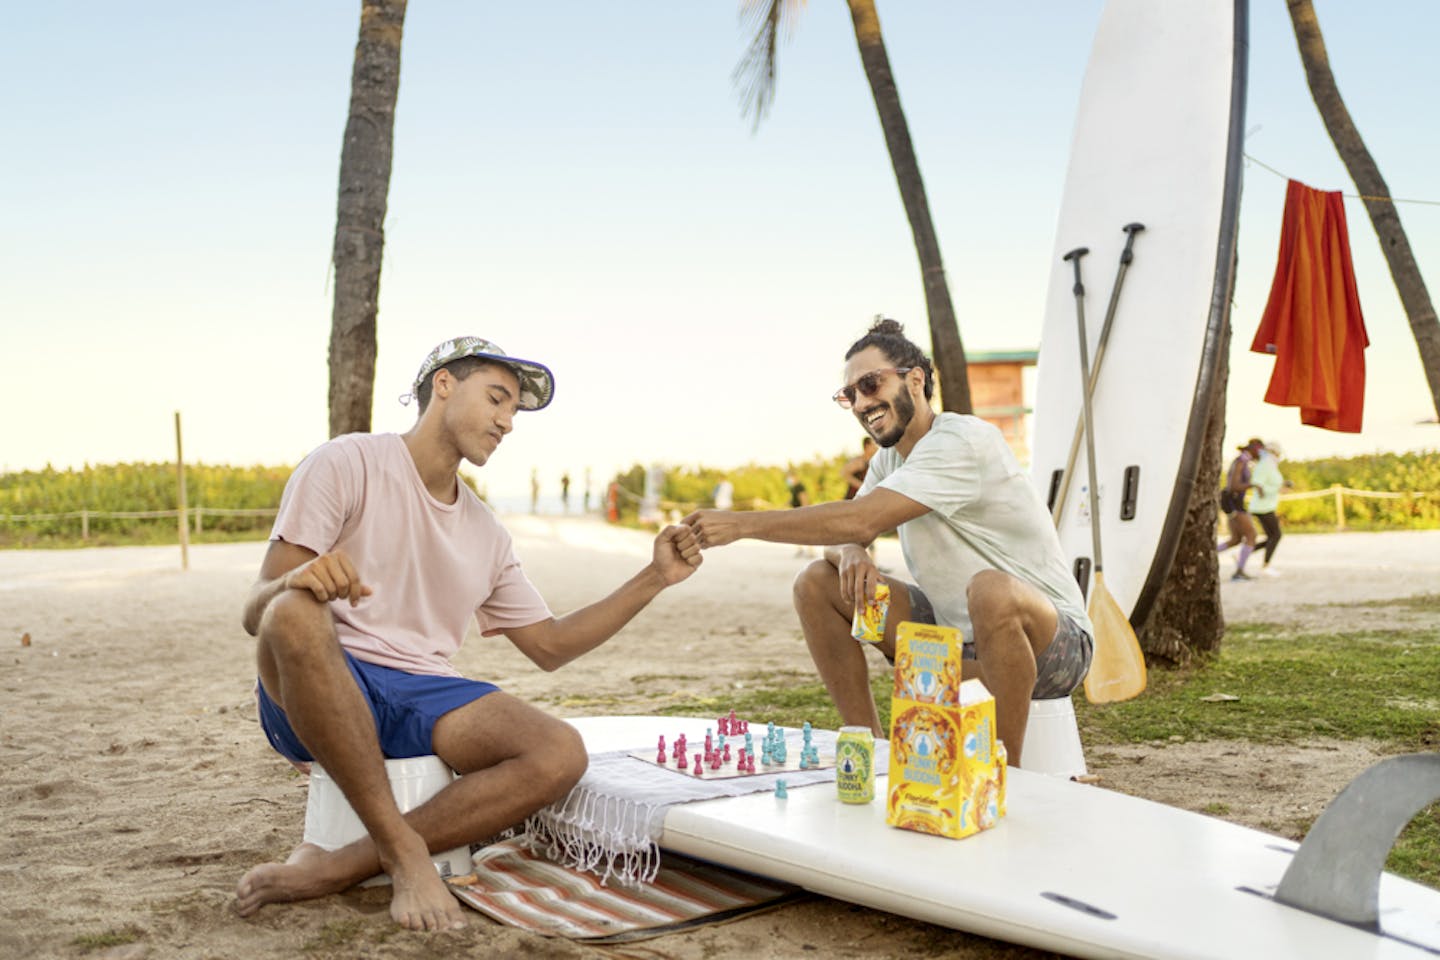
x=432 y=565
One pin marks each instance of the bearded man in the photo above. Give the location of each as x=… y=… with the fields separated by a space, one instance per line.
x=976 y=537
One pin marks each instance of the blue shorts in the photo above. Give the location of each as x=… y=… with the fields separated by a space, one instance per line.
x=405 y=707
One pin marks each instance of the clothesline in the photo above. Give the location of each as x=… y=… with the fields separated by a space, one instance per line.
x=1352 y=196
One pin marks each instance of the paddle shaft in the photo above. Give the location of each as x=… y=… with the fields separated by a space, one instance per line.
x=1126 y=255
x=1074 y=257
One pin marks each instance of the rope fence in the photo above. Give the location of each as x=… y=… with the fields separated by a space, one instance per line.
x=195 y=516
x=1339 y=492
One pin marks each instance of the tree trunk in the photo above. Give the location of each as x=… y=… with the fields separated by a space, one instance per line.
x=360 y=219
x=1186 y=618
x=1373 y=190
x=945 y=343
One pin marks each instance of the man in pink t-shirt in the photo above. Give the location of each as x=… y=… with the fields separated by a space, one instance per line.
x=378 y=560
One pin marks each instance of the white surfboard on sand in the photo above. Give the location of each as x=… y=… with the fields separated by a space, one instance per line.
x=1157 y=142
x=1072 y=868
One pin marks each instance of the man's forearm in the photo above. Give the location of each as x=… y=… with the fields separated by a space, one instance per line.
x=825 y=524
x=577 y=633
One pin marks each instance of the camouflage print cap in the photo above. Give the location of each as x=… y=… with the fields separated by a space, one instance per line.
x=537 y=383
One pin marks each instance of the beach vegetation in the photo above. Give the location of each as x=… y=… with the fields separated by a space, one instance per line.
x=1407 y=487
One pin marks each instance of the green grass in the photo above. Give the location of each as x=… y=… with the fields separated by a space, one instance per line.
x=1292 y=687
x=1425 y=603
x=89 y=942
x=1379 y=685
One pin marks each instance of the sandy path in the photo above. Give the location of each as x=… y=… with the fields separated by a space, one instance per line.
x=137 y=788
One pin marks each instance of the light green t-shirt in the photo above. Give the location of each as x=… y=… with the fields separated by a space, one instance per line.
x=1266 y=475
x=984 y=515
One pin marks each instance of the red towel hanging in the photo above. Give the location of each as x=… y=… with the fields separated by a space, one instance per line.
x=1312 y=321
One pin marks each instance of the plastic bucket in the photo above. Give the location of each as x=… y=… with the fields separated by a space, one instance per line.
x=330 y=822
x=1052 y=740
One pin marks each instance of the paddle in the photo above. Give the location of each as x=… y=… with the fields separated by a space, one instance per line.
x=1117 y=671
x=1058 y=510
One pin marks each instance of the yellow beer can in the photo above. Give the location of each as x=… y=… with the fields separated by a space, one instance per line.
x=868 y=624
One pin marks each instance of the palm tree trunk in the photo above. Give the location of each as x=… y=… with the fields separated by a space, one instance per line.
x=1187 y=618
x=945 y=343
x=365 y=161
x=1361 y=166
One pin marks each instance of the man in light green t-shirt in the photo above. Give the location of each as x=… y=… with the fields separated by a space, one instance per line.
x=976 y=537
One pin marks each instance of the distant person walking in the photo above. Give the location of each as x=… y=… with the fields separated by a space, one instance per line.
x=565 y=491
x=1269 y=482
x=856 y=468
x=799 y=497
x=534 y=490
x=1238 y=483
x=724 y=495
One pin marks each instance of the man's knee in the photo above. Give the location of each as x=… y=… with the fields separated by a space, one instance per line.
x=294 y=621
x=815 y=584
x=565 y=762
x=993 y=599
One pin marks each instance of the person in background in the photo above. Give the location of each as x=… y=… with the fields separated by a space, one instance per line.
x=723 y=495
x=799 y=497
x=1238 y=484
x=1269 y=483
x=856 y=468
x=854 y=471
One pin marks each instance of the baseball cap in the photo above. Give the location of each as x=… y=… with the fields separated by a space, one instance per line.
x=537 y=383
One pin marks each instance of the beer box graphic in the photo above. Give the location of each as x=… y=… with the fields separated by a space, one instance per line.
x=946 y=774
x=927 y=664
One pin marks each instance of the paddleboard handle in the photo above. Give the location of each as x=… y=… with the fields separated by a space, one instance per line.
x=1127 y=255
x=1075 y=255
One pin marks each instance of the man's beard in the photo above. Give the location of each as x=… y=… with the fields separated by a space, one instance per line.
x=904 y=409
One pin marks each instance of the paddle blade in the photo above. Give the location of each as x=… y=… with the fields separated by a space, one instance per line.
x=1117 y=671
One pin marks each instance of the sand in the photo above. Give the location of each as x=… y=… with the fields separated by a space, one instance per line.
x=137 y=787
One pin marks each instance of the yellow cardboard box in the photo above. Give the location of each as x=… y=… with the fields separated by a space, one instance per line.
x=946 y=773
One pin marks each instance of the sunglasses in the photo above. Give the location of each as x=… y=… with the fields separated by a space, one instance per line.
x=867 y=385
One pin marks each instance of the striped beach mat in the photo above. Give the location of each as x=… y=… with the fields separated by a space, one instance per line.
x=520 y=888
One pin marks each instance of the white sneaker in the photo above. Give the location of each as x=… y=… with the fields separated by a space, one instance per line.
x=1269 y=572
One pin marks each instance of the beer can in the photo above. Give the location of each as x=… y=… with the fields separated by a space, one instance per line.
x=855 y=765
x=868 y=625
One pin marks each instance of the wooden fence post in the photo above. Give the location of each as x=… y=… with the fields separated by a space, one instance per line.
x=181 y=518
x=1339 y=505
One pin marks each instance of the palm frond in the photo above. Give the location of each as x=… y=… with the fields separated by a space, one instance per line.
x=754 y=75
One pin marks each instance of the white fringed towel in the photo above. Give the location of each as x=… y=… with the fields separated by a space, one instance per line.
x=610 y=823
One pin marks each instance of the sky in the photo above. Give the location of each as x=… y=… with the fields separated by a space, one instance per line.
x=576 y=182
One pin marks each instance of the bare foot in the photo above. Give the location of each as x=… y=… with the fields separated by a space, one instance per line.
x=301 y=877
x=421 y=901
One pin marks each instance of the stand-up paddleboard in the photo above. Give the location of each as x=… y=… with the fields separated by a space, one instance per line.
x=1073 y=868
x=1157 y=142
